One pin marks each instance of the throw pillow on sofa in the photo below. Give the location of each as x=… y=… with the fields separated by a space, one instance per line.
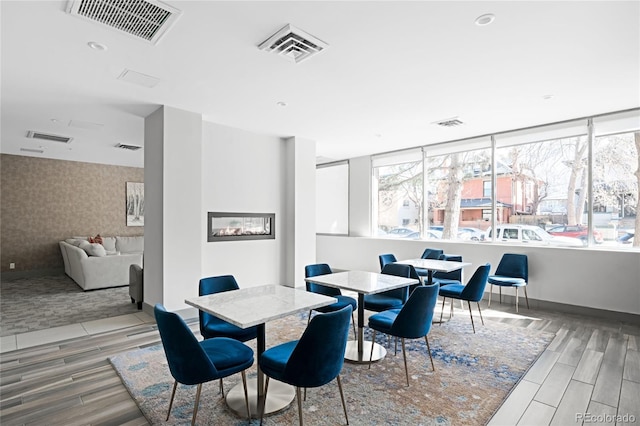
x=93 y=249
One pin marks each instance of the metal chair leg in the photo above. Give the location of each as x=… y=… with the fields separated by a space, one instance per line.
x=373 y=343
x=480 y=310
x=490 y=291
x=246 y=394
x=500 y=287
x=173 y=393
x=525 y=296
x=344 y=406
x=429 y=350
x=442 y=311
x=263 y=403
x=471 y=315
x=309 y=318
x=404 y=355
x=516 y=300
x=221 y=388
x=195 y=406
x=353 y=322
x=299 y=405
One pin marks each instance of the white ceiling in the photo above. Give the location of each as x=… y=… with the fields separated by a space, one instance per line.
x=392 y=69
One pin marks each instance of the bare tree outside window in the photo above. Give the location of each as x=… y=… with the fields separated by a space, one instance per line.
x=135 y=204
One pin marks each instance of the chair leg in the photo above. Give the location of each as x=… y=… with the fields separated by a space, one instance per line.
x=525 y=296
x=516 y=300
x=471 y=315
x=246 y=394
x=395 y=348
x=263 y=403
x=173 y=393
x=353 y=322
x=373 y=342
x=480 y=310
x=195 y=406
x=500 y=287
x=309 y=318
x=490 y=291
x=451 y=313
x=404 y=355
x=442 y=311
x=429 y=351
x=344 y=406
x=299 y=405
x=221 y=388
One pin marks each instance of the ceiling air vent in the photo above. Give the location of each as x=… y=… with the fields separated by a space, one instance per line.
x=449 y=122
x=37 y=151
x=128 y=147
x=48 y=137
x=145 y=19
x=293 y=44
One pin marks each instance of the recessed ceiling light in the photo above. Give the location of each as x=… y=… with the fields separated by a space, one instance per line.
x=547 y=97
x=485 y=19
x=281 y=104
x=97 y=46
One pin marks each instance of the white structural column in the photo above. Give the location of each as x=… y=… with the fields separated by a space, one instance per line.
x=173 y=213
x=300 y=216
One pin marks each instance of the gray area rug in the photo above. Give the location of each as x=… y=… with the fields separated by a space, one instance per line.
x=30 y=304
x=474 y=374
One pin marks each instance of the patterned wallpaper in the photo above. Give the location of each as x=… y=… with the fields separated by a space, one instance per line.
x=43 y=201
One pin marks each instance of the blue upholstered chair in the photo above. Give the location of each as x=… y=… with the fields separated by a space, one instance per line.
x=314 y=360
x=192 y=362
x=412 y=321
x=428 y=253
x=513 y=271
x=323 y=269
x=446 y=278
x=472 y=292
x=212 y=326
x=385 y=259
x=395 y=298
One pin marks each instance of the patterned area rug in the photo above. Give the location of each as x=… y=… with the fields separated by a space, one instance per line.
x=474 y=374
x=37 y=303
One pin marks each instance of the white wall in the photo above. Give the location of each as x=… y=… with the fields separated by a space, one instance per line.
x=243 y=172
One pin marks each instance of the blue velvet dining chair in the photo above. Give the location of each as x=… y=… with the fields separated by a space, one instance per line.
x=412 y=321
x=512 y=271
x=212 y=326
x=446 y=278
x=385 y=259
x=395 y=298
x=323 y=269
x=312 y=361
x=193 y=363
x=472 y=292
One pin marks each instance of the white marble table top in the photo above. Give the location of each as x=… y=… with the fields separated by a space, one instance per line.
x=251 y=306
x=363 y=282
x=434 y=265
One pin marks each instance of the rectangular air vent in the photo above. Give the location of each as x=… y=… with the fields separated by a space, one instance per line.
x=293 y=44
x=48 y=137
x=145 y=19
x=128 y=147
x=37 y=151
x=449 y=122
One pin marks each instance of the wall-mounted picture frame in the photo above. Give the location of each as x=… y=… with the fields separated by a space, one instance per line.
x=135 y=204
x=222 y=226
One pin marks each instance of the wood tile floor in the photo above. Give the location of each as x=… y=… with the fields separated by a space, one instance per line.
x=592 y=368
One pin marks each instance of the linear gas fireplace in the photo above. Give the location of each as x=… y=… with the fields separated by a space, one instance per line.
x=240 y=226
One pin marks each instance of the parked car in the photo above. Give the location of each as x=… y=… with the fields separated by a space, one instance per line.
x=626 y=238
x=473 y=234
x=531 y=235
x=429 y=235
x=576 y=231
x=401 y=231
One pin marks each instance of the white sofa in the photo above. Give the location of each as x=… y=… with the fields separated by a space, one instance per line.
x=104 y=265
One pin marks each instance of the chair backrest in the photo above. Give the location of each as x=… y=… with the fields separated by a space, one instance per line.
x=212 y=285
x=399 y=270
x=514 y=266
x=453 y=275
x=430 y=253
x=414 y=319
x=474 y=289
x=188 y=362
x=319 y=354
x=315 y=270
x=385 y=259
